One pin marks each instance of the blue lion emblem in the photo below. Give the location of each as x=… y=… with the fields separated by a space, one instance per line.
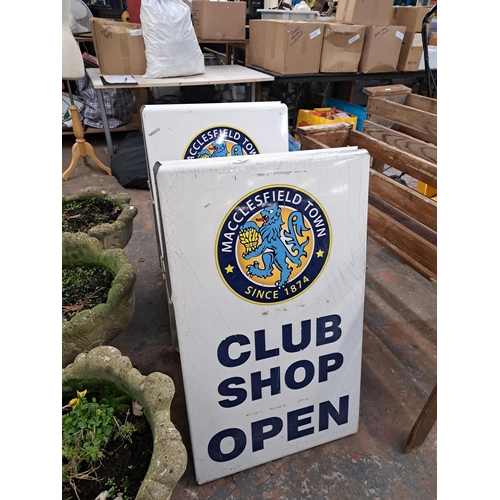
x=273 y=250
x=219 y=150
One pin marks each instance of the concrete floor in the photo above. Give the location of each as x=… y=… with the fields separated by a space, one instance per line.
x=398 y=373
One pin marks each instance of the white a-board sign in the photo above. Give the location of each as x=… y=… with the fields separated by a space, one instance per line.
x=267 y=261
x=198 y=131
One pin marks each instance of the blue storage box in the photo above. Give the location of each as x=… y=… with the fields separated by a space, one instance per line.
x=348 y=107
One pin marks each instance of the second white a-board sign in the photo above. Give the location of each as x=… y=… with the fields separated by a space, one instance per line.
x=267 y=258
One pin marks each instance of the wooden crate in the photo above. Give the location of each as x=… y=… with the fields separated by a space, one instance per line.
x=401 y=219
x=409 y=121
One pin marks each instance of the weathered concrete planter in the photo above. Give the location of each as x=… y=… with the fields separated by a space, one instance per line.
x=118 y=233
x=97 y=326
x=104 y=367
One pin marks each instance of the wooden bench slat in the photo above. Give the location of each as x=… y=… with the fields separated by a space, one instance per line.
x=405 y=220
x=409 y=201
x=421 y=102
x=324 y=128
x=412 y=165
x=387 y=90
x=404 y=243
x=335 y=135
x=419 y=120
x=419 y=135
x=309 y=142
x=402 y=141
x=422 y=270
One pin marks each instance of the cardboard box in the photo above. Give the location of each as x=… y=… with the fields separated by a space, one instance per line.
x=381 y=48
x=411 y=17
x=119 y=47
x=433 y=39
x=411 y=52
x=342 y=48
x=368 y=12
x=256 y=46
x=286 y=47
x=219 y=20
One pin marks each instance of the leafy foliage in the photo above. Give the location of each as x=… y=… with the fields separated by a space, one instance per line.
x=88 y=428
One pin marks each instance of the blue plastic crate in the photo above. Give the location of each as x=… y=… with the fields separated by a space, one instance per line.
x=348 y=107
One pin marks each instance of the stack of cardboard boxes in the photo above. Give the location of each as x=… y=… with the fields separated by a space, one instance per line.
x=120 y=47
x=382 y=43
x=369 y=36
x=412 y=47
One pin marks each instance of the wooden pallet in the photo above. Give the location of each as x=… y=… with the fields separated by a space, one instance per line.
x=401 y=219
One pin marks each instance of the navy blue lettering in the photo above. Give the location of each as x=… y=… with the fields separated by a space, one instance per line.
x=305 y=337
x=328 y=324
x=273 y=382
x=324 y=368
x=260 y=346
x=293 y=423
x=326 y=409
x=290 y=374
x=223 y=351
x=239 y=393
x=258 y=434
x=240 y=441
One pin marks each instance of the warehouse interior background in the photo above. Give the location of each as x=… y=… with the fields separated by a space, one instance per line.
x=468 y=251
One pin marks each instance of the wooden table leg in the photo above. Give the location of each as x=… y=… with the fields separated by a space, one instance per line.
x=81 y=148
x=229 y=54
x=423 y=424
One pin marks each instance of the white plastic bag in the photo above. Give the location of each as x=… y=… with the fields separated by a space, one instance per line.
x=172 y=48
x=302 y=6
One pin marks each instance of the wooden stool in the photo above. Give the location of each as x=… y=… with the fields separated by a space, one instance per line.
x=81 y=148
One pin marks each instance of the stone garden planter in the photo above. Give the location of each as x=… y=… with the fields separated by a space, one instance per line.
x=97 y=326
x=111 y=235
x=106 y=367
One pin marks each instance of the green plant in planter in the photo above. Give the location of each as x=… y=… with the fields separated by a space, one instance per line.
x=100 y=324
x=87 y=428
x=105 y=366
x=114 y=234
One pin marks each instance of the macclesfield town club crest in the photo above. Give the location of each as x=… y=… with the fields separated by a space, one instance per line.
x=273 y=244
x=219 y=141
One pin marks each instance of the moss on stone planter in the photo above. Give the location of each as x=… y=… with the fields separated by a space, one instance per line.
x=111 y=235
x=105 y=367
x=102 y=323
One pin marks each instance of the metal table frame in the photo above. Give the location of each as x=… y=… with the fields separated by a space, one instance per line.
x=214 y=75
x=292 y=96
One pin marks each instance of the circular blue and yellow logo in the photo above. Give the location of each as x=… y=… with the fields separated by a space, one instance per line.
x=273 y=244
x=218 y=141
